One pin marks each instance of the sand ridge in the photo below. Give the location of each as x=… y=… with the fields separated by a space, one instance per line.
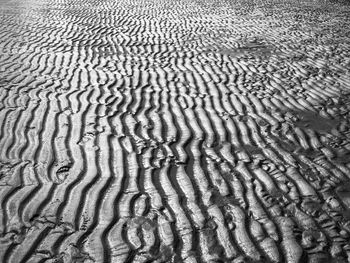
x=174 y=131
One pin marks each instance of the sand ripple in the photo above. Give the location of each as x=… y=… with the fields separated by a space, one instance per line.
x=174 y=131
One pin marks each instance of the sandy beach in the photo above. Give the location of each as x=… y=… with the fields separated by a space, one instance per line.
x=165 y=131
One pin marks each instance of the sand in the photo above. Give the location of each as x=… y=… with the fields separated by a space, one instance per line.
x=174 y=131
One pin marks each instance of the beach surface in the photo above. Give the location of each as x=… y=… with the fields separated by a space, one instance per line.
x=174 y=131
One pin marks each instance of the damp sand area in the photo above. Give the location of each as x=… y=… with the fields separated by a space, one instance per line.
x=174 y=131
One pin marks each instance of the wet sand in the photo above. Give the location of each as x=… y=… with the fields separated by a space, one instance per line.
x=174 y=131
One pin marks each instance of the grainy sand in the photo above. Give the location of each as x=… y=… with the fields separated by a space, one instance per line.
x=174 y=131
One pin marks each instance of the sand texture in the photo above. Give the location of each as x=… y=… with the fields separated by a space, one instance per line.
x=174 y=131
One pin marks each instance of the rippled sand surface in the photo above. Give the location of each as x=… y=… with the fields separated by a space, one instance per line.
x=174 y=131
